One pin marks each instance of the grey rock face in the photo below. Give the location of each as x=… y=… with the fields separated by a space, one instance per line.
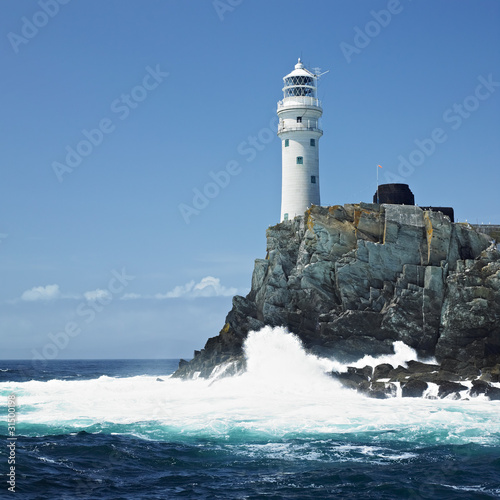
x=414 y=388
x=350 y=280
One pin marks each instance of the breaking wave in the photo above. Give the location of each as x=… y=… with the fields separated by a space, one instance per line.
x=284 y=392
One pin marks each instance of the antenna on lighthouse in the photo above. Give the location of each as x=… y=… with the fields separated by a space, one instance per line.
x=317 y=72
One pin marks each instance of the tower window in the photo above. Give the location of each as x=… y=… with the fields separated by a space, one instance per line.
x=312 y=142
x=300 y=160
x=299 y=119
x=313 y=179
x=285 y=216
x=287 y=143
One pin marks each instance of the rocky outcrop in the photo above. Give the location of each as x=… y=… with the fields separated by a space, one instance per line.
x=415 y=380
x=351 y=280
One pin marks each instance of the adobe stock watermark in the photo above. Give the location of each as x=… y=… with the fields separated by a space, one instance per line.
x=122 y=106
x=88 y=311
x=454 y=116
x=248 y=149
x=30 y=27
x=11 y=441
x=223 y=6
x=373 y=28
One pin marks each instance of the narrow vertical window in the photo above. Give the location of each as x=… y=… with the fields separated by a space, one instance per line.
x=312 y=142
x=299 y=119
x=287 y=143
x=285 y=217
x=313 y=179
x=300 y=160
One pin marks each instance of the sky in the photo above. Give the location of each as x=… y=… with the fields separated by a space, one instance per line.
x=140 y=163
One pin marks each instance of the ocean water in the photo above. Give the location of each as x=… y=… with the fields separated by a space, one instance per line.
x=284 y=429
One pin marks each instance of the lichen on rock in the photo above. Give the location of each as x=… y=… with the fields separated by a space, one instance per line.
x=351 y=280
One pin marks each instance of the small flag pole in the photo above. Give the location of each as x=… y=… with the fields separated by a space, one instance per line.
x=377 y=185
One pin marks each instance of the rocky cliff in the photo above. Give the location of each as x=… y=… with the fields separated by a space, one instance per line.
x=351 y=280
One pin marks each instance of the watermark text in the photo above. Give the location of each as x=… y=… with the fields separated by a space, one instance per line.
x=31 y=27
x=11 y=442
x=94 y=137
x=87 y=311
x=454 y=117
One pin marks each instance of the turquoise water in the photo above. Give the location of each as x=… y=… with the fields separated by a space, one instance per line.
x=284 y=429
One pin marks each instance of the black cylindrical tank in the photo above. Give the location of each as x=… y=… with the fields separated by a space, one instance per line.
x=394 y=194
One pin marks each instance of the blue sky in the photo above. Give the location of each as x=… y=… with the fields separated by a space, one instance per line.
x=110 y=255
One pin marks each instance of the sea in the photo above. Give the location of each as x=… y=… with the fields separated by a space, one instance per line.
x=283 y=429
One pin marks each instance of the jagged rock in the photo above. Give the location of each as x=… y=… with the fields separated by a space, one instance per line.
x=382 y=371
x=414 y=388
x=354 y=377
x=419 y=367
x=366 y=371
x=470 y=327
x=447 y=388
x=351 y=280
x=482 y=387
x=376 y=390
x=399 y=374
x=380 y=390
x=493 y=393
x=492 y=373
x=479 y=387
x=346 y=380
x=463 y=369
x=436 y=377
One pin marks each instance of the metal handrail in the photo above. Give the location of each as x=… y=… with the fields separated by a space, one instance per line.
x=283 y=128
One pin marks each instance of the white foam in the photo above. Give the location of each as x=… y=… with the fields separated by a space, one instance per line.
x=285 y=390
x=432 y=391
x=402 y=354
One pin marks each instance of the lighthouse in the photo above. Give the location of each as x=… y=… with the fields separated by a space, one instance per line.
x=299 y=131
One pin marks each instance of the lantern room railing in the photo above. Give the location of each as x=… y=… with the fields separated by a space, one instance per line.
x=282 y=127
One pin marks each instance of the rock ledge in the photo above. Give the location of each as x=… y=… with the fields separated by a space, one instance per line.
x=351 y=280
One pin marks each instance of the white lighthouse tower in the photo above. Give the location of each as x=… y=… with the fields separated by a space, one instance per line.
x=298 y=129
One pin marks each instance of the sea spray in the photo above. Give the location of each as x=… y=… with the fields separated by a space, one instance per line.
x=402 y=354
x=275 y=356
x=284 y=392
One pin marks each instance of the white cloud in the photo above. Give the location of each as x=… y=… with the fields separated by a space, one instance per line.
x=178 y=291
x=97 y=294
x=211 y=287
x=49 y=292
x=207 y=287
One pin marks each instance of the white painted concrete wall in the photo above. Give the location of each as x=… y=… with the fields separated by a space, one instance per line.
x=298 y=193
